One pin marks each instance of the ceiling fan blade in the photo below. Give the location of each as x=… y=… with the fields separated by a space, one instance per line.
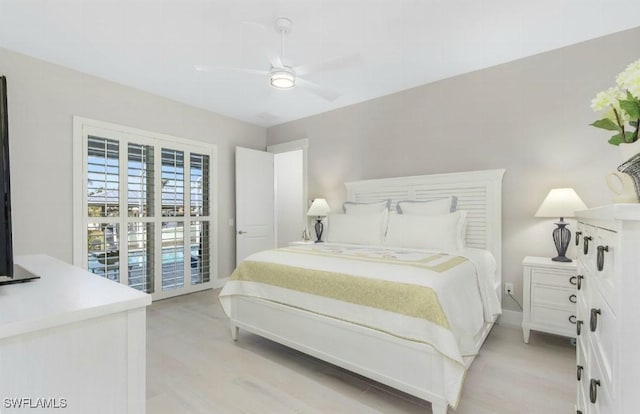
x=276 y=62
x=323 y=92
x=205 y=68
x=339 y=63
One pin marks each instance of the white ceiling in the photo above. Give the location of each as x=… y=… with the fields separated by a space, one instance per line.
x=153 y=45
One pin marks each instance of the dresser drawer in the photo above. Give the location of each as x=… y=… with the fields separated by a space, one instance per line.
x=554 y=297
x=597 y=390
x=560 y=319
x=586 y=248
x=605 y=271
x=601 y=317
x=553 y=278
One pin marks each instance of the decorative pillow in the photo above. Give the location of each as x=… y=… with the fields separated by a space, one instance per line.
x=356 y=228
x=443 y=232
x=352 y=207
x=428 y=208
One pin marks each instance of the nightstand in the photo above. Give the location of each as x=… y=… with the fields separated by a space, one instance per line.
x=300 y=242
x=549 y=293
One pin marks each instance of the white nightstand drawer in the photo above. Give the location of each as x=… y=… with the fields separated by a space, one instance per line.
x=557 y=318
x=554 y=297
x=560 y=278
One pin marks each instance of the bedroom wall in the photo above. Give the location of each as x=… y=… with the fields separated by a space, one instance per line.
x=529 y=116
x=43 y=98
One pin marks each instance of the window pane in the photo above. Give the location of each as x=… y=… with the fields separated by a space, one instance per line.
x=103 y=182
x=199 y=247
x=172 y=255
x=141 y=252
x=199 y=172
x=104 y=250
x=140 y=189
x=172 y=183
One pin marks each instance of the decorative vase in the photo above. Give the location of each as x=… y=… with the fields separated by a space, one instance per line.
x=624 y=188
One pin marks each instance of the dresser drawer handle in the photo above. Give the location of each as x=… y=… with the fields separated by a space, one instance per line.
x=593 y=323
x=572 y=319
x=579 y=281
x=579 y=327
x=579 y=369
x=593 y=390
x=573 y=280
x=585 y=244
x=578 y=411
x=573 y=299
x=600 y=258
x=578 y=233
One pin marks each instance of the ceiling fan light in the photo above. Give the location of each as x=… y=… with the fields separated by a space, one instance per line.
x=282 y=79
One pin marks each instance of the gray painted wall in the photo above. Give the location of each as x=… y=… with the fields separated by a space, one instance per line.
x=43 y=98
x=529 y=116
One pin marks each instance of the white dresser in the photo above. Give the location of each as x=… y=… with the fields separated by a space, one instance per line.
x=608 y=323
x=71 y=340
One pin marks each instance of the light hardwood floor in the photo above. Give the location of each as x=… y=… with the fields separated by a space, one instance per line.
x=193 y=367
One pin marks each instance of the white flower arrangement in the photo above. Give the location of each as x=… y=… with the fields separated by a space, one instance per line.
x=621 y=106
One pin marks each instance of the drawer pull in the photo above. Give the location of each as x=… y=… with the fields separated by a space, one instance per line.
x=593 y=323
x=572 y=319
x=573 y=299
x=600 y=258
x=579 y=327
x=579 y=281
x=585 y=244
x=573 y=280
x=579 y=369
x=593 y=390
x=578 y=411
x=578 y=233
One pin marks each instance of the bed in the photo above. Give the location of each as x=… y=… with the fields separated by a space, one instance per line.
x=335 y=329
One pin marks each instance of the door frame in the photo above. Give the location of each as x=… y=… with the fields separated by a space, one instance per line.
x=299 y=144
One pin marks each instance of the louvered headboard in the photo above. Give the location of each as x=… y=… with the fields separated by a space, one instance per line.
x=479 y=193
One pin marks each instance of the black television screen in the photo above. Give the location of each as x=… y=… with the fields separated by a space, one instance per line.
x=6 y=244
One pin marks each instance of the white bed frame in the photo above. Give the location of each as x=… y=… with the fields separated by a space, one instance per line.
x=414 y=368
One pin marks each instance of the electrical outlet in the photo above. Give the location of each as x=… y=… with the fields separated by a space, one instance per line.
x=508 y=288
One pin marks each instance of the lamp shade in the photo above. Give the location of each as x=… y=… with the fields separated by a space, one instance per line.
x=319 y=208
x=561 y=202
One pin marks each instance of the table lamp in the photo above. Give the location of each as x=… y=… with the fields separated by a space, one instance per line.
x=561 y=202
x=319 y=208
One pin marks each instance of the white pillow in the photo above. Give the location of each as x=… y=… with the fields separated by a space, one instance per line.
x=352 y=207
x=356 y=228
x=443 y=232
x=428 y=208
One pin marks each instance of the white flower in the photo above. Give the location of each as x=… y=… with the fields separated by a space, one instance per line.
x=606 y=99
x=629 y=79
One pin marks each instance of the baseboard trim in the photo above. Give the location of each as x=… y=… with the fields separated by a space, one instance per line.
x=511 y=318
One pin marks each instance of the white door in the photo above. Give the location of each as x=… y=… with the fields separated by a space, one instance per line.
x=254 y=202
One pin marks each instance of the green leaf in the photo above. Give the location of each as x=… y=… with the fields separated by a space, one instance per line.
x=616 y=139
x=606 y=123
x=631 y=107
x=629 y=96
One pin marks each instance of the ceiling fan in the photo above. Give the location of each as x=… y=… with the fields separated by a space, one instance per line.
x=282 y=76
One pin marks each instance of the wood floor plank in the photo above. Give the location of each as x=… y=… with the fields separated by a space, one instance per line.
x=193 y=367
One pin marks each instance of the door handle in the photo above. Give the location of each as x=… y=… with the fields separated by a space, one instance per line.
x=241 y=232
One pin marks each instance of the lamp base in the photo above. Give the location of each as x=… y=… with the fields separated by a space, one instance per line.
x=319 y=227
x=561 y=237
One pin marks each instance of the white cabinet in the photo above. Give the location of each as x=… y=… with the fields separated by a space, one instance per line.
x=608 y=362
x=549 y=293
x=72 y=339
